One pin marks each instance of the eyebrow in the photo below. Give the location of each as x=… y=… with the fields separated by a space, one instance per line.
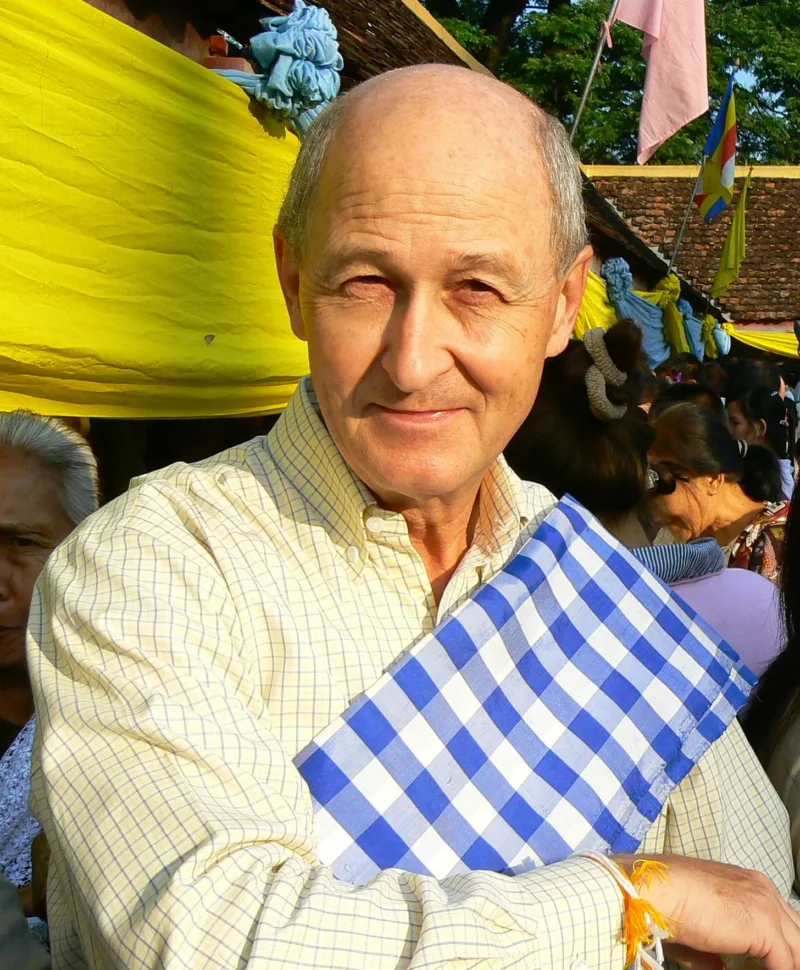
x=490 y=262
x=21 y=529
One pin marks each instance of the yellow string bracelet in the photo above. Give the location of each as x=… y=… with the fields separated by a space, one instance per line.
x=644 y=928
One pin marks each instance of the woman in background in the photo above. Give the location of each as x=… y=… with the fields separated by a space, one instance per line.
x=695 y=393
x=760 y=416
x=591 y=440
x=720 y=487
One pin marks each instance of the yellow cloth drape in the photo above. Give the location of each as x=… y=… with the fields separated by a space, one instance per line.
x=138 y=193
x=784 y=344
x=709 y=344
x=595 y=309
x=666 y=295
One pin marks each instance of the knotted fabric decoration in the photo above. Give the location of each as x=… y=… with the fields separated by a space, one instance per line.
x=595 y=311
x=723 y=340
x=709 y=341
x=666 y=295
x=300 y=54
x=648 y=317
x=553 y=712
x=693 y=328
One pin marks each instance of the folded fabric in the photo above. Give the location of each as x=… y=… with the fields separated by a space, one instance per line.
x=553 y=712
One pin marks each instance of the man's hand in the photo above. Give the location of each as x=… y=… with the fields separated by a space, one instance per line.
x=716 y=908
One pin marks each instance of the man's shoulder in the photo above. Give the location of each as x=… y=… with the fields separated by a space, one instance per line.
x=239 y=482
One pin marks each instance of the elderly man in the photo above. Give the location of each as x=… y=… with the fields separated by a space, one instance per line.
x=207 y=627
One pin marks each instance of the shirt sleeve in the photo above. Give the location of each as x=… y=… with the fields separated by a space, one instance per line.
x=728 y=811
x=182 y=834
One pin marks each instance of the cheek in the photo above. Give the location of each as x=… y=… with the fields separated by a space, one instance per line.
x=341 y=349
x=25 y=571
x=506 y=359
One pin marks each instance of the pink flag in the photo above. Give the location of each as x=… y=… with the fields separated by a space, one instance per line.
x=676 y=86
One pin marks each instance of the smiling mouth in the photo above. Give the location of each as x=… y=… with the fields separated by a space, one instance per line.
x=418 y=415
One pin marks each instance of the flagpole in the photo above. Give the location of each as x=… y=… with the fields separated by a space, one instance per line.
x=697 y=185
x=602 y=41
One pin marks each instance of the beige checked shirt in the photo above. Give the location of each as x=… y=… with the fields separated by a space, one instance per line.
x=191 y=638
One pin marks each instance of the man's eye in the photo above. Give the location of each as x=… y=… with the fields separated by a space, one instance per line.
x=366 y=283
x=477 y=291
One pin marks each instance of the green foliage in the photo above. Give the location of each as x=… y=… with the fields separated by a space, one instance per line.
x=550 y=51
x=470 y=37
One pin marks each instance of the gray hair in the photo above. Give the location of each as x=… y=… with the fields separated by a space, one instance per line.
x=61 y=449
x=568 y=232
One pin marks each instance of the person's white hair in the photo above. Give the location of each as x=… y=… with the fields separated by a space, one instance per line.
x=549 y=137
x=60 y=448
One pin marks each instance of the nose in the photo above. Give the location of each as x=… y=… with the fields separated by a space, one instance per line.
x=417 y=342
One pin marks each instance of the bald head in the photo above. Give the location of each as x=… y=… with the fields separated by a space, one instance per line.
x=451 y=123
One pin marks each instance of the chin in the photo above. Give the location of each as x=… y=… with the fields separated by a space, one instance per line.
x=417 y=479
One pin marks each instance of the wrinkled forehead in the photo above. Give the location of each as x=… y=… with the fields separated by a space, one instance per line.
x=441 y=167
x=30 y=493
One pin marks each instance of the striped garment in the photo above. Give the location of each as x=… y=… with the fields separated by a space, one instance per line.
x=679 y=562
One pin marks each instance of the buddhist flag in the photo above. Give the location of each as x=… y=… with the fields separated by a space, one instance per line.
x=735 y=247
x=719 y=170
x=676 y=85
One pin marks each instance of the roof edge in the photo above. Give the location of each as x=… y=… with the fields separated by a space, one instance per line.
x=445 y=36
x=686 y=171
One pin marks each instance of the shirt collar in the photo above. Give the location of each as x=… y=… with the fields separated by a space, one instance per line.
x=302 y=447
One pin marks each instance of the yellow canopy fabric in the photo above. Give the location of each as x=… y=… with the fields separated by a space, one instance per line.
x=138 y=193
x=595 y=309
x=784 y=344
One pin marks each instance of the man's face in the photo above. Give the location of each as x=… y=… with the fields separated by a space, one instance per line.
x=32 y=523
x=430 y=300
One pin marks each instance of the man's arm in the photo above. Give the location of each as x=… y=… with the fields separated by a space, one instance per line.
x=182 y=834
x=728 y=810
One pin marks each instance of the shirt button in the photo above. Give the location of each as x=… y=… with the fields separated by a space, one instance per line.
x=352 y=554
x=375 y=525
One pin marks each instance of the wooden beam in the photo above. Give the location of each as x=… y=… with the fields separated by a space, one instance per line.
x=686 y=171
x=445 y=36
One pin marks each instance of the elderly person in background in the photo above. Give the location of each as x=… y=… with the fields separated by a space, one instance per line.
x=203 y=629
x=48 y=485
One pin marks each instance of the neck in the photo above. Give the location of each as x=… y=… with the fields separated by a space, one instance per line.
x=16 y=697
x=441 y=532
x=627 y=529
x=734 y=512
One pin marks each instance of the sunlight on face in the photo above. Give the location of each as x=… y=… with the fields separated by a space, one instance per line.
x=687 y=512
x=429 y=300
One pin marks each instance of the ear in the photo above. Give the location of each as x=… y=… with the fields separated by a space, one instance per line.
x=761 y=430
x=713 y=484
x=573 y=287
x=289 y=276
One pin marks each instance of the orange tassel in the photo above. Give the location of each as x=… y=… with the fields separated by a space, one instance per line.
x=638 y=929
x=645 y=870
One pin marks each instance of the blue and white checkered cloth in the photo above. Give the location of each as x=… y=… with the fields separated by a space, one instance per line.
x=554 y=712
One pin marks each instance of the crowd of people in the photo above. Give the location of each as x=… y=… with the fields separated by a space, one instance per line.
x=191 y=640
